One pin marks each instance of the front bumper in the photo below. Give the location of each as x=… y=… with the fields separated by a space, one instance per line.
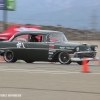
x=90 y=56
x=81 y=59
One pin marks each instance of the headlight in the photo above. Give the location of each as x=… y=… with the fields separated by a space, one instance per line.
x=77 y=49
x=95 y=48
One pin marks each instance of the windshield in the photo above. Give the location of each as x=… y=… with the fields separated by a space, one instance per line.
x=56 y=37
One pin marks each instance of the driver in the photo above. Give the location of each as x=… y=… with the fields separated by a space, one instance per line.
x=33 y=38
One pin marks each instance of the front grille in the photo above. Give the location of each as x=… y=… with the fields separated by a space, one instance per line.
x=89 y=55
x=85 y=48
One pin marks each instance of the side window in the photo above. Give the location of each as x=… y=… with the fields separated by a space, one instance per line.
x=36 y=38
x=22 y=38
x=53 y=38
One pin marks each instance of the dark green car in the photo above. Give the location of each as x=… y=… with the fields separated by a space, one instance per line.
x=45 y=45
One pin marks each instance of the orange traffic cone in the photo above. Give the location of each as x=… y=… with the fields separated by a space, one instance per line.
x=52 y=62
x=99 y=62
x=85 y=68
x=2 y=59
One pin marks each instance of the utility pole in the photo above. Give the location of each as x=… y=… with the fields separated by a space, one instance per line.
x=4 y=16
x=93 y=20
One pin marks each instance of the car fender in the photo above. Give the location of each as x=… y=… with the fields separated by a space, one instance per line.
x=2 y=52
x=55 y=55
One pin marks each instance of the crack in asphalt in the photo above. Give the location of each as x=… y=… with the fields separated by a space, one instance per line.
x=55 y=90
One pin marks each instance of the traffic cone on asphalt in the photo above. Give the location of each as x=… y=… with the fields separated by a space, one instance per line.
x=52 y=62
x=99 y=62
x=85 y=67
x=2 y=59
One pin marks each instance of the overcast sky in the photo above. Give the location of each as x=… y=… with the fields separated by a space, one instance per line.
x=53 y=12
x=53 y=5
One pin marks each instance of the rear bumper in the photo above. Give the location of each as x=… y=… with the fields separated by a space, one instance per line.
x=1 y=51
x=81 y=59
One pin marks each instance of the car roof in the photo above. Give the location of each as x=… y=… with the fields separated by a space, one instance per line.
x=37 y=32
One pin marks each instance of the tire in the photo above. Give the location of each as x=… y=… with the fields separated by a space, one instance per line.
x=28 y=61
x=64 y=58
x=80 y=62
x=9 y=56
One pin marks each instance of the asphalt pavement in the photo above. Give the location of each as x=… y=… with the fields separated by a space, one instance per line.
x=46 y=81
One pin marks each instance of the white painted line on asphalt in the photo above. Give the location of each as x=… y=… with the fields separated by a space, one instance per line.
x=43 y=71
x=3 y=66
x=50 y=63
x=25 y=70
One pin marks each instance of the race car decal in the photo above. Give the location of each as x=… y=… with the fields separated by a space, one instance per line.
x=50 y=57
x=20 y=45
x=50 y=52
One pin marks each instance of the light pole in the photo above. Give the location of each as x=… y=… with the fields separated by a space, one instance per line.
x=4 y=16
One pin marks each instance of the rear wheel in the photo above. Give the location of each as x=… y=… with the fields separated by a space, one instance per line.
x=64 y=58
x=28 y=61
x=9 y=56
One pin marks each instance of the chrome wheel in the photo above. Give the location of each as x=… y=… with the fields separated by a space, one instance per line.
x=64 y=58
x=9 y=56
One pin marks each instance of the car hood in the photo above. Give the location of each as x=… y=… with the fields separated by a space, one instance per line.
x=70 y=44
x=77 y=44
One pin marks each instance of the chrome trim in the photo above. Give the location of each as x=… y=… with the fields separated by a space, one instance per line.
x=73 y=58
x=33 y=48
x=81 y=59
x=73 y=55
x=85 y=52
x=23 y=48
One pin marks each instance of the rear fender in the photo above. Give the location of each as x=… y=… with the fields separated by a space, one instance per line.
x=2 y=52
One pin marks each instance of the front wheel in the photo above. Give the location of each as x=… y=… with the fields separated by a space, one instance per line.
x=9 y=56
x=64 y=58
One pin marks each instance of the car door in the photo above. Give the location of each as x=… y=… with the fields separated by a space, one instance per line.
x=37 y=51
x=19 y=45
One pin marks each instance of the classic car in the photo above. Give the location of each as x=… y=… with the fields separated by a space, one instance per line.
x=45 y=45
